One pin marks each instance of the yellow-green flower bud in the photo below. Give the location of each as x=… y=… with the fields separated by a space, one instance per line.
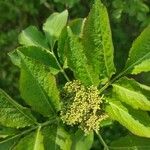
x=81 y=106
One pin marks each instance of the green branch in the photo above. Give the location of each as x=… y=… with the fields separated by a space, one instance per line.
x=61 y=69
x=41 y=125
x=102 y=141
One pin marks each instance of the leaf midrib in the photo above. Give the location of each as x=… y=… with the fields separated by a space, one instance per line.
x=36 y=139
x=135 y=63
x=131 y=91
x=127 y=114
x=126 y=69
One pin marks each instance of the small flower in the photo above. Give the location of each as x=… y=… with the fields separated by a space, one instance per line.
x=81 y=106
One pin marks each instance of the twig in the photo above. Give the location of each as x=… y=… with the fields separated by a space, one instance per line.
x=61 y=69
x=29 y=130
x=102 y=141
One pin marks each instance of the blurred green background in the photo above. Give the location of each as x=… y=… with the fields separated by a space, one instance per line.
x=127 y=17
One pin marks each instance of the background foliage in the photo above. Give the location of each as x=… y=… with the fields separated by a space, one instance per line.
x=128 y=19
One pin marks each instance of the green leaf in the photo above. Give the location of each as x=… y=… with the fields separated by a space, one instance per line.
x=82 y=141
x=144 y=66
x=106 y=122
x=33 y=141
x=63 y=139
x=9 y=145
x=78 y=62
x=54 y=25
x=76 y=26
x=12 y=114
x=97 y=41
x=131 y=92
x=14 y=58
x=55 y=137
x=5 y=132
x=138 y=122
x=43 y=56
x=131 y=142
x=38 y=87
x=32 y=37
x=62 y=47
x=49 y=137
x=139 y=52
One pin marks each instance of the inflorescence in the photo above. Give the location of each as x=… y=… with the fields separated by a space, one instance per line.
x=81 y=106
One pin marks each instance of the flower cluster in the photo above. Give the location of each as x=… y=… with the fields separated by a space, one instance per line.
x=81 y=106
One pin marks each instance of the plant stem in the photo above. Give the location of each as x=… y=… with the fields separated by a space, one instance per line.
x=115 y=78
x=110 y=82
x=29 y=130
x=102 y=141
x=61 y=69
x=104 y=87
